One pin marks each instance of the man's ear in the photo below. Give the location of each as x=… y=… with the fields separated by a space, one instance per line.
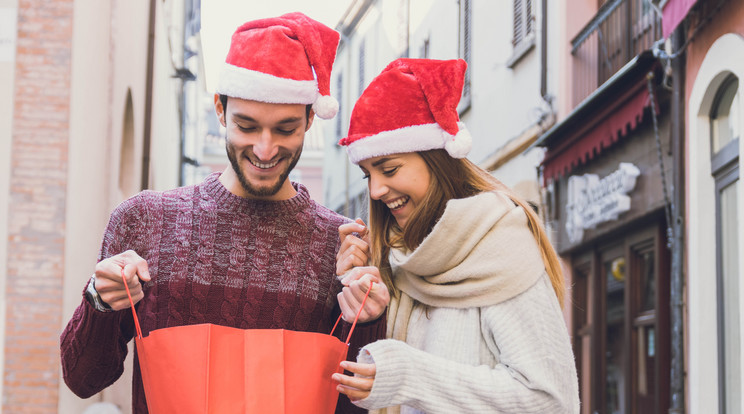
x=219 y=109
x=310 y=117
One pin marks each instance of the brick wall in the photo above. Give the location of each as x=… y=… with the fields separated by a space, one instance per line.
x=38 y=187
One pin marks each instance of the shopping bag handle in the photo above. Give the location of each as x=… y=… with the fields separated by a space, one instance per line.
x=348 y=338
x=131 y=302
x=353 y=325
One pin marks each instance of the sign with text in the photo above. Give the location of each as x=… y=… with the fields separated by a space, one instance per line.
x=592 y=200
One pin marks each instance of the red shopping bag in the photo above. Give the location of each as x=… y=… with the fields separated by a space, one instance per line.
x=206 y=369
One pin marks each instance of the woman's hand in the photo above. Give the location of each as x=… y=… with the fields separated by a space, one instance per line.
x=354 y=249
x=359 y=386
x=356 y=284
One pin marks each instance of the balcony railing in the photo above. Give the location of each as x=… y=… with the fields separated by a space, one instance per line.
x=620 y=30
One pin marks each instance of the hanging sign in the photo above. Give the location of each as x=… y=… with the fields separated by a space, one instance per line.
x=592 y=200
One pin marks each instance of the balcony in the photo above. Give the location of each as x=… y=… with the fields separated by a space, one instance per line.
x=620 y=30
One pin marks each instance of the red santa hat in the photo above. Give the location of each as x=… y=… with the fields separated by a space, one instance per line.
x=411 y=106
x=284 y=59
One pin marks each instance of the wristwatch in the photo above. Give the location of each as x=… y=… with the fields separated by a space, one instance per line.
x=92 y=296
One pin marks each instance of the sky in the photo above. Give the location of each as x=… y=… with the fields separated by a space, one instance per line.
x=220 y=18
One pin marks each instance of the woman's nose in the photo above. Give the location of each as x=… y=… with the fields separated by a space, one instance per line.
x=377 y=189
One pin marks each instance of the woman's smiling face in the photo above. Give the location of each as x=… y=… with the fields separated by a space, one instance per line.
x=399 y=180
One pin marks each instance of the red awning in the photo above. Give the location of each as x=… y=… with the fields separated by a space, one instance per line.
x=599 y=133
x=674 y=12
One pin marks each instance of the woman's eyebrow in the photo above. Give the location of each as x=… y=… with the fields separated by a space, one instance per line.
x=381 y=161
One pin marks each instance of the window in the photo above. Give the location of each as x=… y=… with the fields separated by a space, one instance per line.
x=523 y=34
x=620 y=323
x=725 y=129
x=465 y=39
x=523 y=21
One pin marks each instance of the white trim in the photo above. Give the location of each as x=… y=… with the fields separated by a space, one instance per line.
x=701 y=227
x=397 y=141
x=249 y=84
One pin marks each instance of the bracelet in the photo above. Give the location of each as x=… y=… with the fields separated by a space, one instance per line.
x=94 y=298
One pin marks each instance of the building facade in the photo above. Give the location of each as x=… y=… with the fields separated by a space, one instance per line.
x=90 y=106
x=711 y=39
x=607 y=174
x=641 y=175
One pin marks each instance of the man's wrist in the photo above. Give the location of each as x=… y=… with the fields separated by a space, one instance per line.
x=92 y=296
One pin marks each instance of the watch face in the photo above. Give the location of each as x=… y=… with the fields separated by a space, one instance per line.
x=92 y=296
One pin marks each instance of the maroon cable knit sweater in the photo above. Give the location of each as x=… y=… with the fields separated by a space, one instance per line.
x=214 y=258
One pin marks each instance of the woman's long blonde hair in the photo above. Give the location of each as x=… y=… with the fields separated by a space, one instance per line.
x=451 y=178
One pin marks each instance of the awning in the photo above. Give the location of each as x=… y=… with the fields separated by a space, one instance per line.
x=605 y=117
x=606 y=129
x=674 y=12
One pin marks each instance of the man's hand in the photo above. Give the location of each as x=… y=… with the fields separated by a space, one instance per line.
x=356 y=284
x=110 y=285
x=354 y=250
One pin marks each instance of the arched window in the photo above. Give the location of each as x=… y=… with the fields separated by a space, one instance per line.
x=725 y=130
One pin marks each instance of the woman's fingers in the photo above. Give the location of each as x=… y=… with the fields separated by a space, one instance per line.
x=360 y=369
x=359 y=386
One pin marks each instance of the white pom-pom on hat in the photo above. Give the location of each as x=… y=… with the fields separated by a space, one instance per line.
x=326 y=107
x=458 y=146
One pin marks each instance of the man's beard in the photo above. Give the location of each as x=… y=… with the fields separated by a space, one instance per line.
x=259 y=191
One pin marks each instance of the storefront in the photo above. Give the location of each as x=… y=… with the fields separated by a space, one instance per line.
x=606 y=205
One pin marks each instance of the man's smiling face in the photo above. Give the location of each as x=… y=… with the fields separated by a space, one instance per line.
x=264 y=142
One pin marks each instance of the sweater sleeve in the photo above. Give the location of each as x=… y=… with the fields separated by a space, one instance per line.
x=93 y=345
x=535 y=374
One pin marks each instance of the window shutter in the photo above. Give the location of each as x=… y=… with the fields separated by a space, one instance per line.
x=518 y=19
x=361 y=67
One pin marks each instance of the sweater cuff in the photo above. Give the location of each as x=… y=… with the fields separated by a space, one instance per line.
x=393 y=373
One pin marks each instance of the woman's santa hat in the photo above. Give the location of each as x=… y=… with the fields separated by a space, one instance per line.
x=284 y=59
x=411 y=106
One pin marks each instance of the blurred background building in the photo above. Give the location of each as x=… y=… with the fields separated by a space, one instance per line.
x=620 y=120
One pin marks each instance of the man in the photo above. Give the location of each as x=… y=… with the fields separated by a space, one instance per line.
x=245 y=248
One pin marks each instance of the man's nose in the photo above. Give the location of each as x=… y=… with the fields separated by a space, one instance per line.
x=265 y=149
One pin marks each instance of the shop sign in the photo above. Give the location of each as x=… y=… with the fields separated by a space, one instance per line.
x=592 y=200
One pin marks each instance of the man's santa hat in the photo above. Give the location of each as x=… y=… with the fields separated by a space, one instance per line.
x=284 y=59
x=411 y=106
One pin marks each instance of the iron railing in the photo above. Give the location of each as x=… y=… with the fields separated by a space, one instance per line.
x=620 y=30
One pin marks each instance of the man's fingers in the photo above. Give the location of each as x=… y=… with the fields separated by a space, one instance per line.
x=142 y=270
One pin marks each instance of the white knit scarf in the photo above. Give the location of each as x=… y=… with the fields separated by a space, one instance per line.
x=480 y=253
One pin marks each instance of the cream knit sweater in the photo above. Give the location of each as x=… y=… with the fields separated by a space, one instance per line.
x=494 y=339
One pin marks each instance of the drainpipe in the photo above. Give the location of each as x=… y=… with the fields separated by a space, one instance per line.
x=544 y=51
x=145 y=182
x=677 y=374
x=347 y=80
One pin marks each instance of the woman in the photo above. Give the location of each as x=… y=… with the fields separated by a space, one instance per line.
x=474 y=320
